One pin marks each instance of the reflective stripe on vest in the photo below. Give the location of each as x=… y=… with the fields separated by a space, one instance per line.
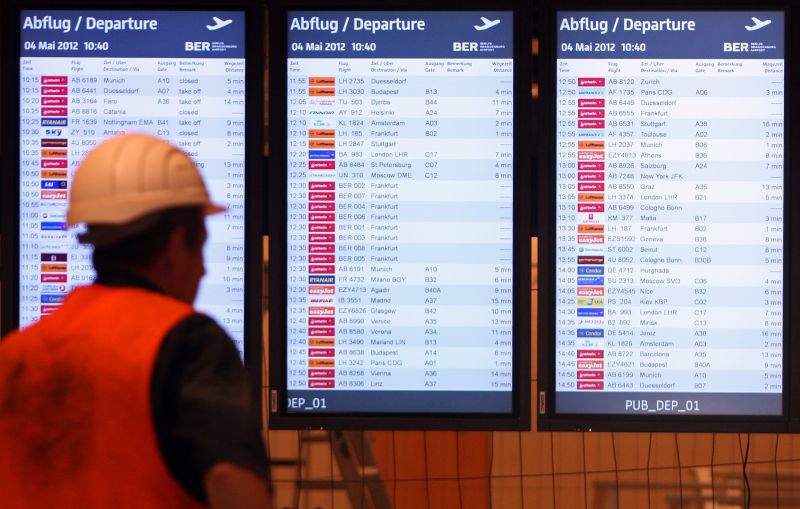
x=76 y=423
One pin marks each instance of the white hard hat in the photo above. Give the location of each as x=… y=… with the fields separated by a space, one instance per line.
x=132 y=175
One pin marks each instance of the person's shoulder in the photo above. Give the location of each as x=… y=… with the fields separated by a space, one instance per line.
x=199 y=335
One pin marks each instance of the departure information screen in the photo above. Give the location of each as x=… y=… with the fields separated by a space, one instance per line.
x=670 y=213
x=400 y=212
x=89 y=75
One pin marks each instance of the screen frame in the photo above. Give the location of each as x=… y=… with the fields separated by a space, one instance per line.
x=548 y=419
x=279 y=418
x=254 y=157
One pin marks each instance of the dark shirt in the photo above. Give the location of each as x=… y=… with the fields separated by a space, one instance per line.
x=202 y=403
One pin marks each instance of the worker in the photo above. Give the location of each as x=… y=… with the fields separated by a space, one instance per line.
x=126 y=397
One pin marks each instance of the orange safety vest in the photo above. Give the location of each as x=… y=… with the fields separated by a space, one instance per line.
x=76 y=423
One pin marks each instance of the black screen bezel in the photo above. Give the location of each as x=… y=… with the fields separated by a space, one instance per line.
x=254 y=157
x=548 y=419
x=519 y=418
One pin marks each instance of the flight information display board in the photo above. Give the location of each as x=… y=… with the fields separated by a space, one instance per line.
x=669 y=213
x=400 y=221
x=88 y=75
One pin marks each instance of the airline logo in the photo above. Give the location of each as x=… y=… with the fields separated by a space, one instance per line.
x=321 y=144
x=322 y=258
x=321 y=133
x=321 y=373
x=592 y=166
x=590 y=375
x=321 y=280
x=54 y=288
x=591 y=218
x=53 y=278
x=322 y=186
x=322 y=165
x=321 y=122
x=54 y=267
x=55 y=101
x=54 y=91
x=321 y=248
x=317 y=218
x=322 y=363
x=591 y=228
x=591 y=124
x=54 y=142
x=590 y=386
x=54 y=112
x=591 y=280
x=321 y=352
x=54 y=174
x=327 y=81
x=591 y=312
x=591 y=291
x=322 y=341
x=54 y=214
x=592 y=144
x=591 y=239
x=591 y=333
x=591 y=82
x=322 y=321
x=52 y=298
x=321 y=207
x=321 y=102
x=54 y=163
x=591 y=186
x=591 y=343
x=595 y=271
x=48 y=310
x=54 y=122
x=322 y=227
x=591 y=301
x=50 y=153
x=321 y=331
x=320 y=300
x=321 y=196
x=322 y=91
x=321 y=384
x=590 y=260
x=591 y=207
x=321 y=154
x=590 y=354
x=591 y=103
x=321 y=269
x=54 y=195
x=591 y=155
x=54 y=226
x=54 y=80
x=591 y=322
x=595 y=250
x=590 y=364
x=591 y=197
x=591 y=175
x=321 y=290
x=591 y=113
x=322 y=237
x=321 y=311
x=54 y=257
x=54 y=184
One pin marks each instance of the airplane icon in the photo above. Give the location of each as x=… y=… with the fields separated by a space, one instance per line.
x=757 y=24
x=219 y=23
x=487 y=23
